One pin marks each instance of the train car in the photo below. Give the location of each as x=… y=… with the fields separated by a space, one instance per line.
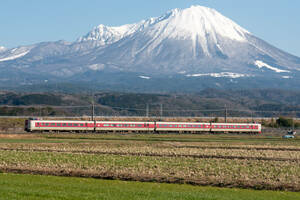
x=32 y=125
x=58 y=125
x=235 y=128
x=124 y=126
x=182 y=127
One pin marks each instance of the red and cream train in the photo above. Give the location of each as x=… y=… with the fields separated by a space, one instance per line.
x=39 y=125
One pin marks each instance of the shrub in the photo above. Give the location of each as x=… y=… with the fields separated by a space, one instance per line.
x=284 y=122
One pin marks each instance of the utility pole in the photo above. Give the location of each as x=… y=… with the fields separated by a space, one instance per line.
x=93 y=108
x=147 y=110
x=225 y=113
x=161 y=110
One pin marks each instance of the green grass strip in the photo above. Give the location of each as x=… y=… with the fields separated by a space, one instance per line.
x=33 y=187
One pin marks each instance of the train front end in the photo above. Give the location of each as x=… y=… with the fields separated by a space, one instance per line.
x=29 y=124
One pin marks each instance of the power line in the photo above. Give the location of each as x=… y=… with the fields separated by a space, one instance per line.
x=147 y=110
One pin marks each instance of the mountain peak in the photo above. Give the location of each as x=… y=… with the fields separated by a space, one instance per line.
x=105 y=35
x=202 y=22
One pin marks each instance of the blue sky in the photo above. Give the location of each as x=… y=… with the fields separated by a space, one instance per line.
x=24 y=22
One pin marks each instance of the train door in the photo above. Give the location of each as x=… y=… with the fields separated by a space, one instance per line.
x=146 y=125
x=27 y=128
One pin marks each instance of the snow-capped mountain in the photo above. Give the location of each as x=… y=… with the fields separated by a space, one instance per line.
x=190 y=44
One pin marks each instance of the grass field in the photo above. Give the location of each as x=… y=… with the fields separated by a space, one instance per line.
x=239 y=161
x=31 y=187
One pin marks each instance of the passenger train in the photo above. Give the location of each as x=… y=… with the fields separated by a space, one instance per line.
x=39 y=125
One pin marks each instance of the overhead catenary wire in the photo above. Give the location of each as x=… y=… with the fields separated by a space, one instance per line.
x=145 y=109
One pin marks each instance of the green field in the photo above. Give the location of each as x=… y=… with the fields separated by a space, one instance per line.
x=32 y=187
x=232 y=161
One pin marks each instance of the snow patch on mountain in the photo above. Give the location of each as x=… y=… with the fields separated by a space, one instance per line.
x=145 y=77
x=97 y=67
x=220 y=75
x=2 y=48
x=287 y=77
x=260 y=64
x=13 y=57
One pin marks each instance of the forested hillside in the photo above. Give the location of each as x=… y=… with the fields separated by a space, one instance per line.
x=209 y=102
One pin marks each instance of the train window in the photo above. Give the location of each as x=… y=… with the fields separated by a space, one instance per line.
x=64 y=124
x=69 y=124
x=83 y=125
x=183 y=126
x=139 y=125
x=105 y=125
x=46 y=124
x=179 y=126
x=75 y=124
x=247 y=127
x=59 y=124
